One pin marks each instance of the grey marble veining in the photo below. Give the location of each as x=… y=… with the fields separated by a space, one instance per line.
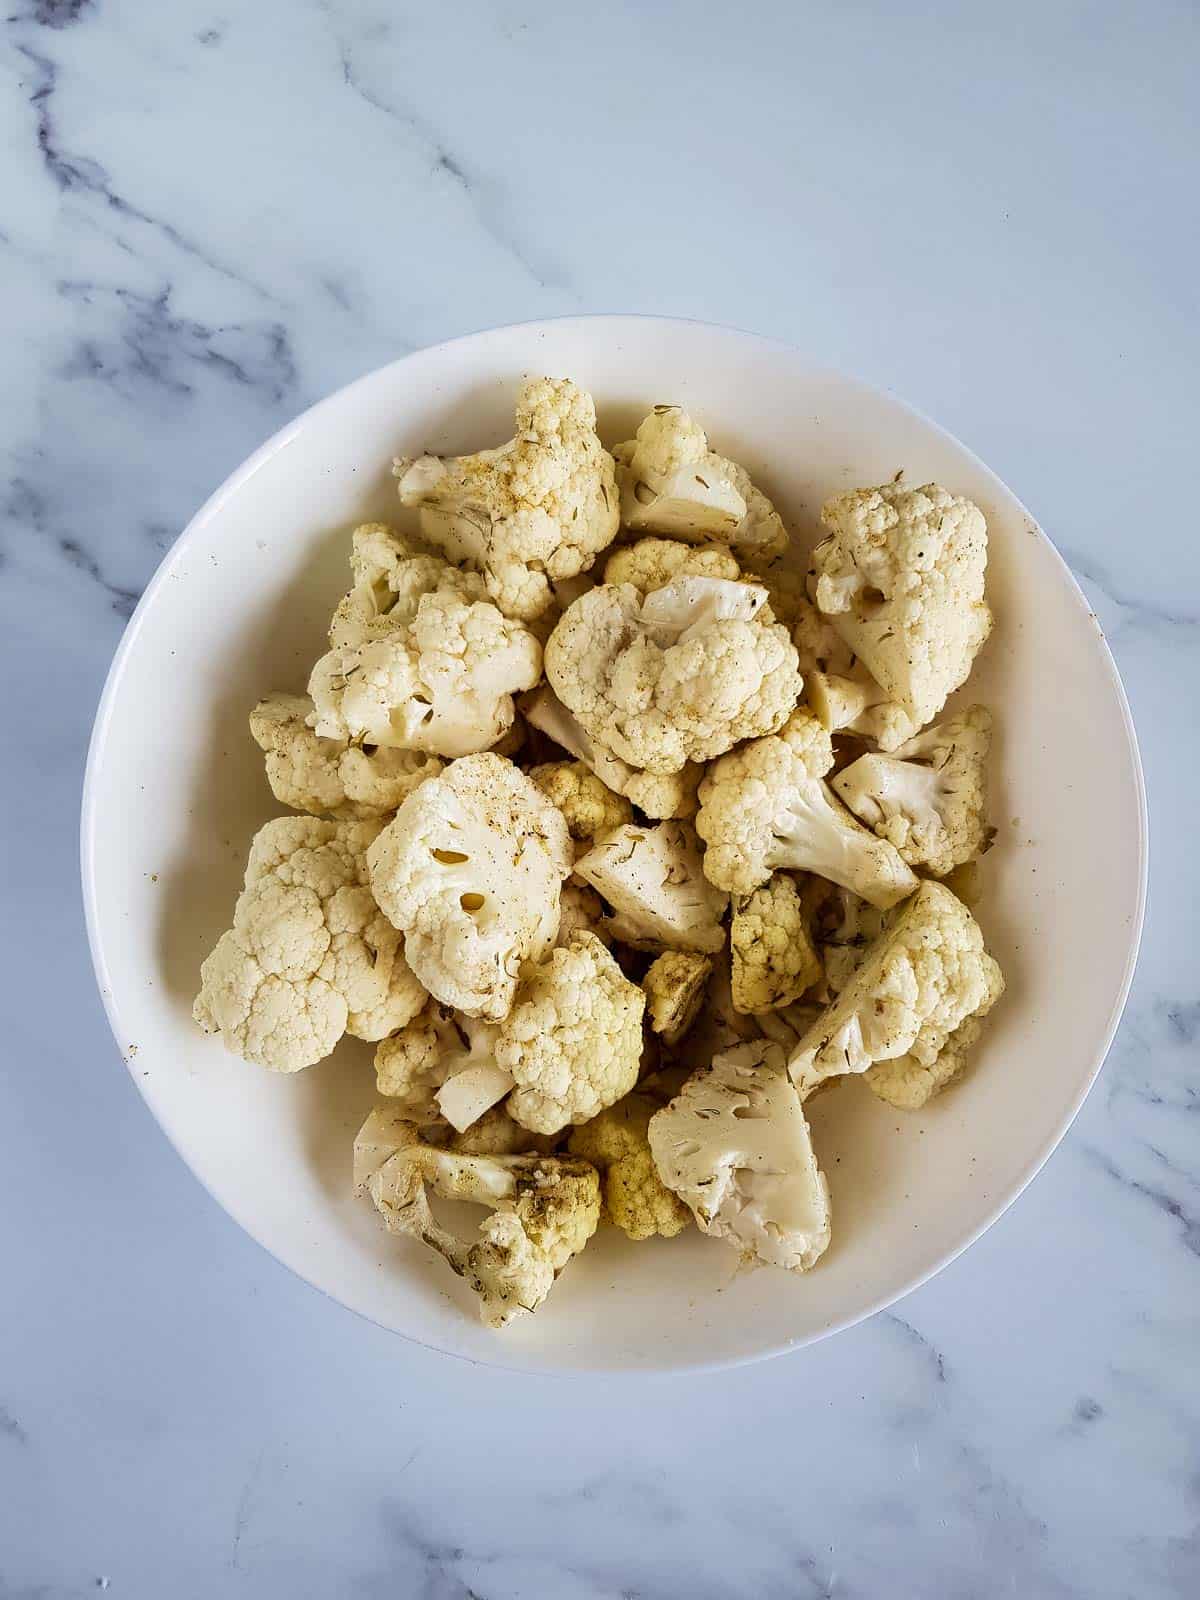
x=212 y=214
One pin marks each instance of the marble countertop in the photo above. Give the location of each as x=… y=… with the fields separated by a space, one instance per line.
x=213 y=214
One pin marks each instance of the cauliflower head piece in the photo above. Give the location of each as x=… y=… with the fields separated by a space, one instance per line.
x=654 y=880
x=310 y=955
x=572 y=1042
x=675 y=984
x=470 y=871
x=921 y=979
x=328 y=776
x=734 y=1146
x=532 y=512
x=773 y=955
x=766 y=807
x=542 y=1211
x=414 y=1066
x=635 y=1199
x=901 y=579
x=909 y=1083
x=653 y=563
x=672 y=483
x=679 y=676
x=589 y=806
x=837 y=685
x=929 y=797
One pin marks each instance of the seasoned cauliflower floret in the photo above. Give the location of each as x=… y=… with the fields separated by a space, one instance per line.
x=635 y=1198
x=671 y=482
x=589 y=806
x=496 y=1134
x=766 y=806
x=774 y=960
x=843 y=925
x=921 y=979
x=909 y=1083
x=542 y=1211
x=654 y=881
x=535 y=511
x=573 y=1040
x=838 y=686
x=675 y=984
x=679 y=676
x=901 y=578
x=928 y=797
x=327 y=776
x=653 y=563
x=735 y=1147
x=470 y=870
x=310 y=955
x=581 y=910
x=441 y=1066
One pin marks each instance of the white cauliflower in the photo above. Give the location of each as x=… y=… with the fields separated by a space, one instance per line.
x=635 y=1198
x=766 y=806
x=310 y=955
x=901 y=578
x=838 y=686
x=441 y=1067
x=581 y=910
x=573 y=1040
x=843 y=925
x=675 y=984
x=470 y=871
x=735 y=1147
x=419 y=658
x=653 y=879
x=542 y=1211
x=679 y=676
x=589 y=806
x=928 y=797
x=496 y=1134
x=909 y=1083
x=328 y=776
x=535 y=511
x=921 y=979
x=718 y=1026
x=653 y=563
x=658 y=794
x=672 y=483
x=774 y=960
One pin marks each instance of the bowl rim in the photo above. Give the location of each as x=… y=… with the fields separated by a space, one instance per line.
x=233 y=483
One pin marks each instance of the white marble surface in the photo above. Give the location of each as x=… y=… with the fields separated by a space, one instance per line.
x=210 y=215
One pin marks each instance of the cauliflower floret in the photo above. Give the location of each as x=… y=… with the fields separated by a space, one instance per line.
x=581 y=910
x=735 y=1147
x=773 y=957
x=532 y=512
x=679 y=676
x=838 y=686
x=589 y=806
x=419 y=668
x=671 y=482
x=470 y=870
x=496 y=1134
x=675 y=984
x=635 y=1198
x=653 y=879
x=657 y=794
x=543 y=1210
x=766 y=806
x=909 y=1083
x=901 y=578
x=441 y=1067
x=573 y=1040
x=843 y=926
x=718 y=1026
x=928 y=797
x=782 y=575
x=326 y=776
x=653 y=563
x=921 y=979
x=310 y=956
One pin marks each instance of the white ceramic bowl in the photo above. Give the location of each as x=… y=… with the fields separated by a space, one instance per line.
x=175 y=789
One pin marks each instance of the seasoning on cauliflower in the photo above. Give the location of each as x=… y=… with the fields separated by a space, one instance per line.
x=773 y=957
x=653 y=879
x=532 y=512
x=469 y=870
x=838 y=686
x=734 y=1145
x=653 y=563
x=675 y=984
x=441 y=1066
x=543 y=1210
x=635 y=1199
x=766 y=806
x=923 y=977
x=909 y=1083
x=657 y=794
x=310 y=955
x=679 y=676
x=928 y=797
x=843 y=926
x=901 y=578
x=589 y=806
x=327 y=776
x=671 y=482
x=419 y=658
x=573 y=1040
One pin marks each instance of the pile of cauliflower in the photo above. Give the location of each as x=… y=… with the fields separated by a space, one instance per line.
x=619 y=837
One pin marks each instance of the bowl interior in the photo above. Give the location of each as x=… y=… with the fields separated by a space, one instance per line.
x=175 y=790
